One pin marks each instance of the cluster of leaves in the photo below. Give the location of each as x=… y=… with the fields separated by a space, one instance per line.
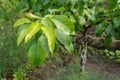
x=109 y=21
x=112 y=55
x=45 y=34
x=54 y=21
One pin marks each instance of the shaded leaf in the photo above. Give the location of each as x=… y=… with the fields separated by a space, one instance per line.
x=99 y=29
x=4 y=14
x=36 y=54
x=56 y=47
x=7 y=3
x=109 y=30
x=81 y=28
x=117 y=34
x=80 y=5
x=108 y=40
x=116 y=22
x=43 y=41
x=21 y=27
x=112 y=4
x=69 y=48
x=21 y=5
x=33 y=1
x=65 y=39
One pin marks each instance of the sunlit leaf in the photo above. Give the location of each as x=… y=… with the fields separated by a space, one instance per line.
x=31 y=16
x=72 y=19
x=47 y=22
x=32 y=30
x=21 y=36
x=51 y=37
x=63 y=23
x=89 y=15
x=21 y=21
x=22 y=33
x=82 y=20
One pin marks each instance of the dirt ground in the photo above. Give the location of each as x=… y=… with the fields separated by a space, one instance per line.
x=97 y=62
x=105 y=65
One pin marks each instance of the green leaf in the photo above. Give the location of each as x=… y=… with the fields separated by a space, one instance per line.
x=72 y=19
x=82 y=20
x=56 y=47
x=33 y=1
x=63 y=23
x=36 y=54
x=43 y=41
x=112 y=4
x=47 y=22
x=109 y=30
x=22 y=27
x=65 y=39
x=118 y=60
x=80 y=5
x=108 y=40
x=117 y=33
x=81 y=28
x=32 y=30
x=99 y=29
x=70 y=48
x=21 y=36
x=21 y=5
x=116 y=22
x=21 y=21
x=89 y=15
x=7 y=3
x=4 y=14
x=51 y=37
x=32 y=16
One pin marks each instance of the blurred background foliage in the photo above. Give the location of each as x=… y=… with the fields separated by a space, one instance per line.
x=12 y=57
